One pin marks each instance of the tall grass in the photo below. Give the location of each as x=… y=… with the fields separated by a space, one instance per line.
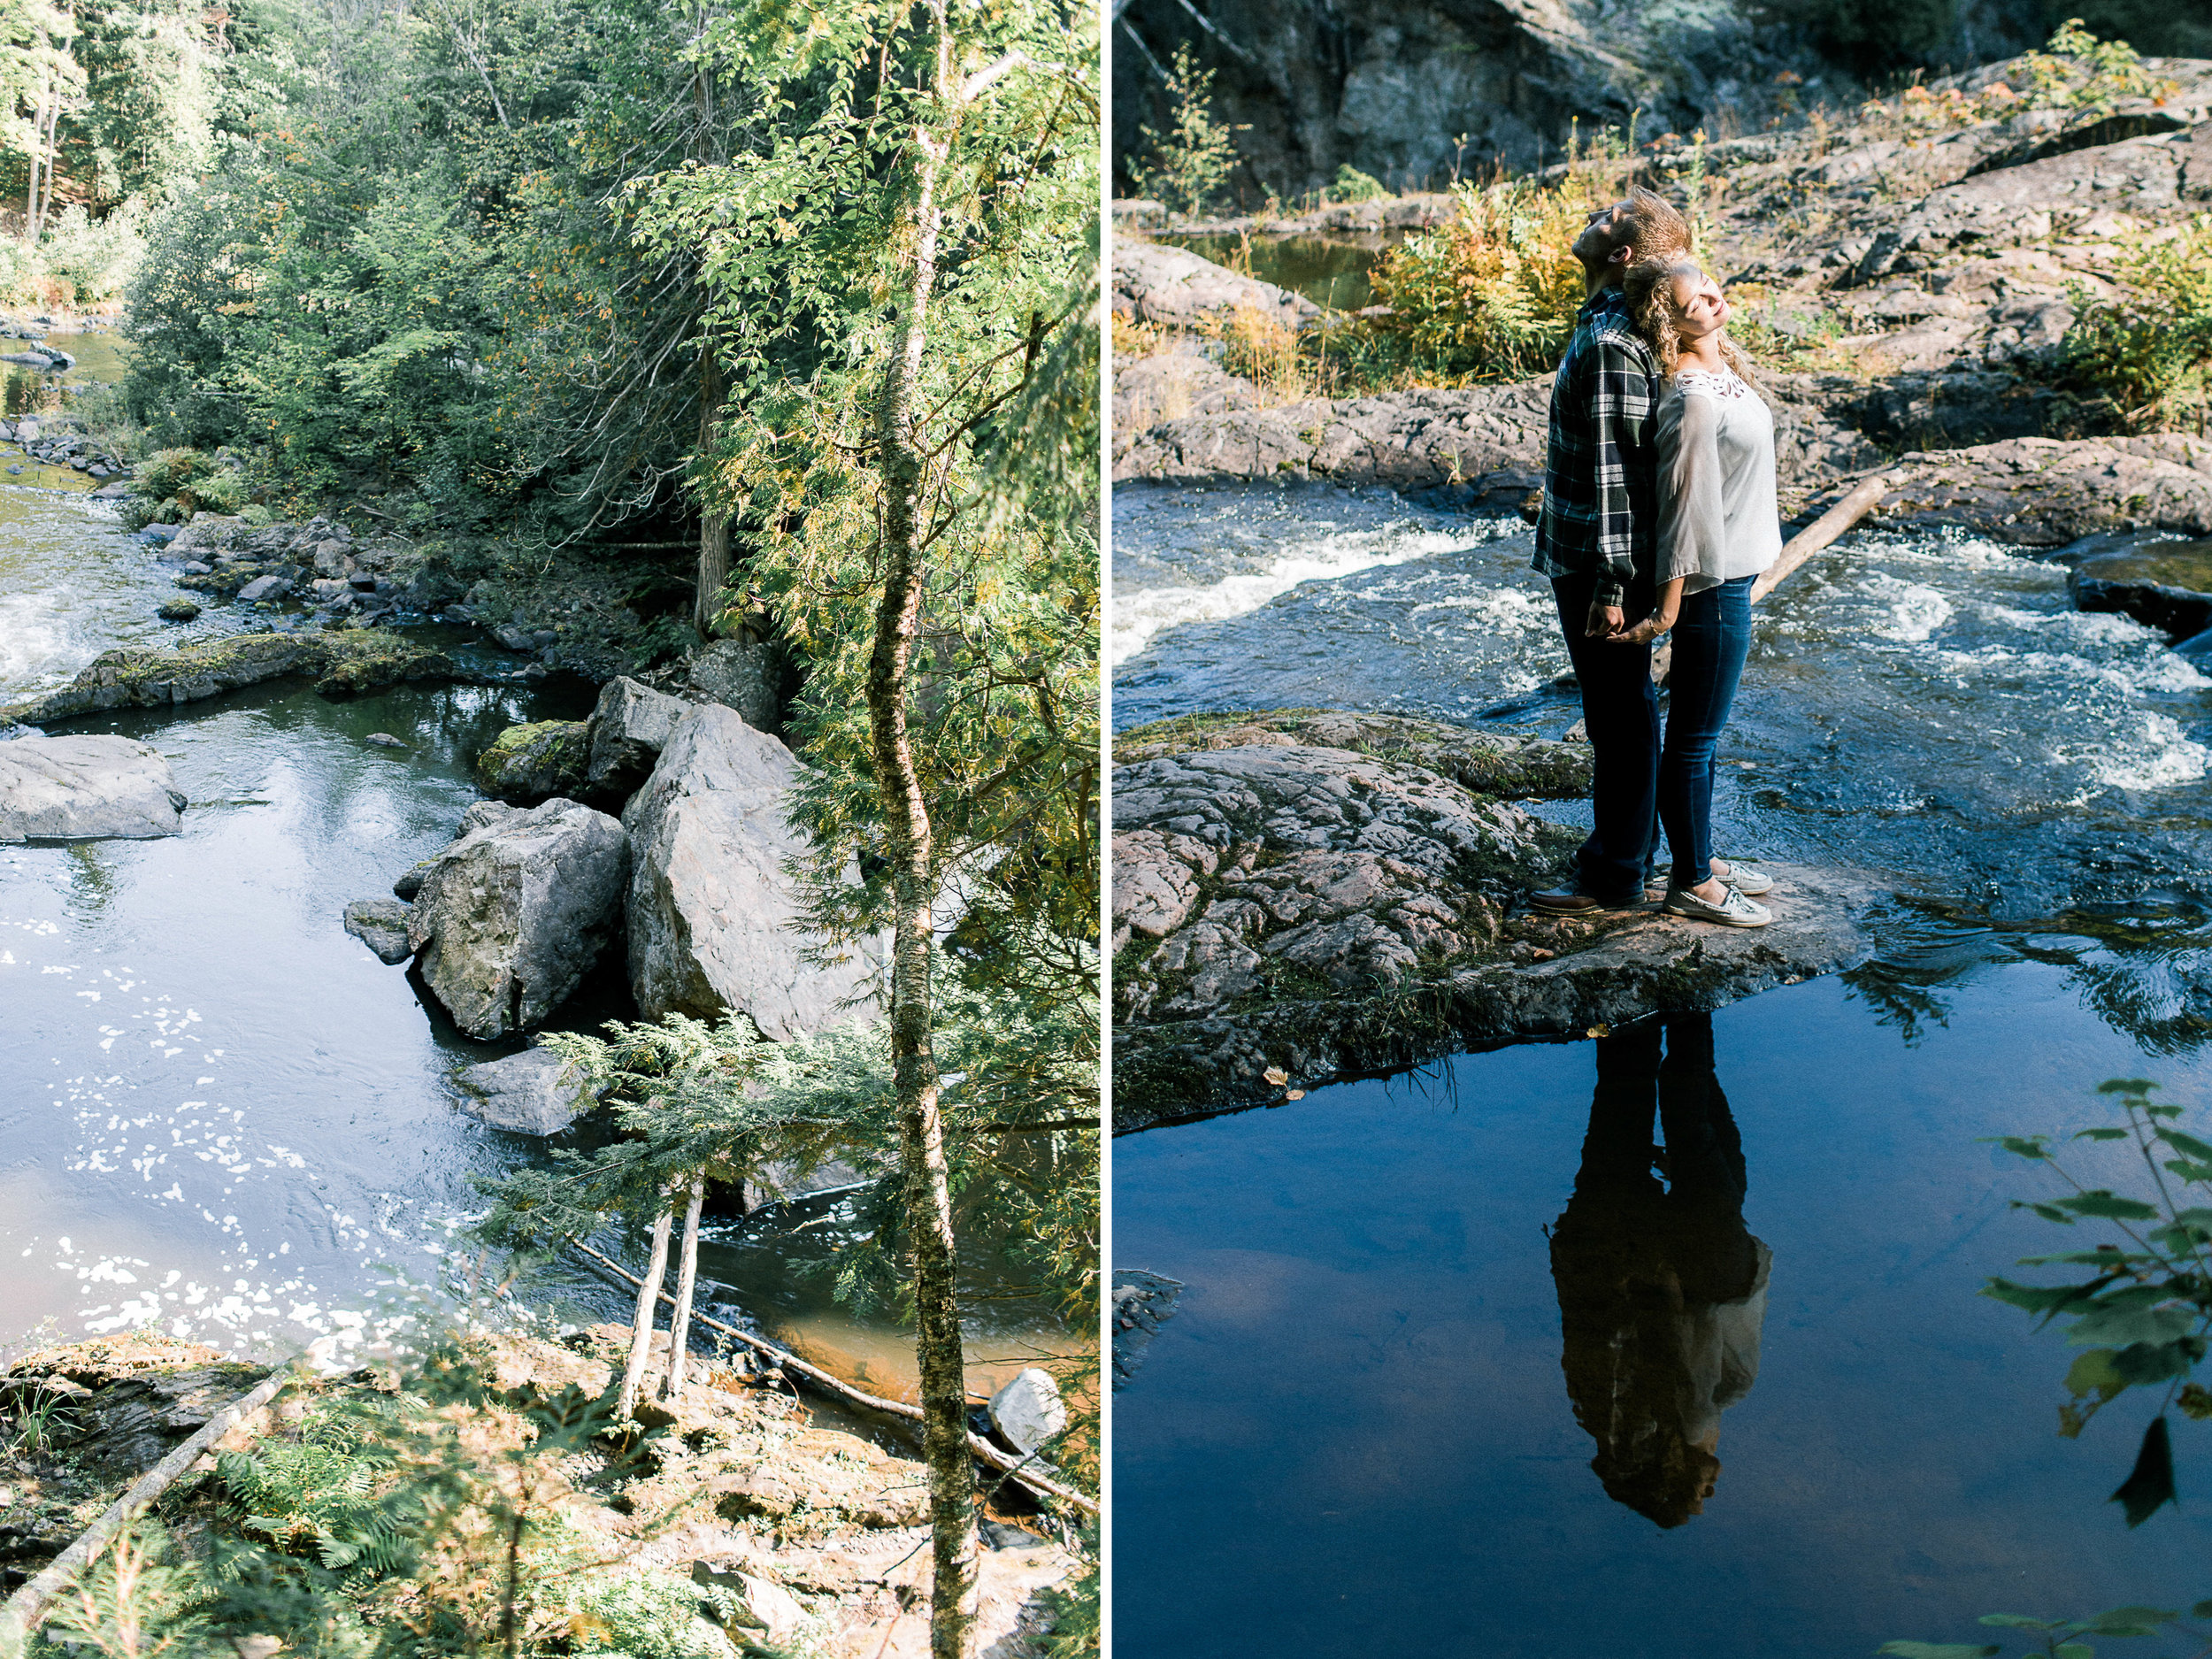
x=2142 y=360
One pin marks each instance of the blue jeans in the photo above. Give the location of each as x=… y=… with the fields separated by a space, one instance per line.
x=1620 y=711
x=1712 y=636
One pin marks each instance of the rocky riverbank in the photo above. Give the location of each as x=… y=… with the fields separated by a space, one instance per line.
x=1938 y=245
x=1301 y=896
x=813 y=1536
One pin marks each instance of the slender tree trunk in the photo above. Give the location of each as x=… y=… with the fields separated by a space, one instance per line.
x=38 y=152
x=641 y=1326
x=53 y=147
x=907 y=843
x=687 y=1276
x=714 y=524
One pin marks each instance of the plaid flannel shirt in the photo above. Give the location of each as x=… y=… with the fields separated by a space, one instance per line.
x=1600 y=508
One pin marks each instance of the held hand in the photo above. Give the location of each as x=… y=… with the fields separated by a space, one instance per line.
x=1645 y=631
x=1604 y=622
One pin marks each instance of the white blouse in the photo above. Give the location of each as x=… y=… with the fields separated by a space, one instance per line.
x=1717 y=513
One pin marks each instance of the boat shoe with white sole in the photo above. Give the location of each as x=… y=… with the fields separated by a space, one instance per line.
x=1748 y=882
x=1733 y=910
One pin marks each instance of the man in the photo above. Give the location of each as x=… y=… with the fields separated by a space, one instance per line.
x=1596 y=540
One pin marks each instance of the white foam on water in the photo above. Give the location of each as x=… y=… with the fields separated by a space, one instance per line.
x=1500 y=608
x=32 y=638
x=1140 y=615
x=2155 y=756
x=1909 y=612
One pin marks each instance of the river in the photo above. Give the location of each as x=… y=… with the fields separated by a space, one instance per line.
x=1373 y=1422
x=221 y=1115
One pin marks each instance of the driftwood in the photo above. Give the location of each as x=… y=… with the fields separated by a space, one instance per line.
x=1826 y=529
x=26 y=1607
x=1003 y=1461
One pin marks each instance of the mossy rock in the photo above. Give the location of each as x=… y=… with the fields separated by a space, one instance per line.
x=1494 y=764
x=535 y=762
x=342 y=663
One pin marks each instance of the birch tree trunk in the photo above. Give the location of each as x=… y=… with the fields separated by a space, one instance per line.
x=37 y=156
x=907 y=834
x=687 y=1276
x=641 y=1326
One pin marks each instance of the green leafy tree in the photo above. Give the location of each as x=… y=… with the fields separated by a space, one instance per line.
x=1187 y=165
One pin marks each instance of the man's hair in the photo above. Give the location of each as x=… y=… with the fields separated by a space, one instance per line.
x=1659 y=232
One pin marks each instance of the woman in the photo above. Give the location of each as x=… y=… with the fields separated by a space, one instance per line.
x=1718 y=530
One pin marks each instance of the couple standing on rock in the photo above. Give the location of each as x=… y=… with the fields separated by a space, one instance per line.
x=1659 y=506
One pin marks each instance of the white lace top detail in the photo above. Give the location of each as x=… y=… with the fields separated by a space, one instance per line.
x=1726 y=384
x=1717 y=519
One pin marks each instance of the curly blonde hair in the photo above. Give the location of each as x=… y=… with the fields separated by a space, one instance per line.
x=1650 y=290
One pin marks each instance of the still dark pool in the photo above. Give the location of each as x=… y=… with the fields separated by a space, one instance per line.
x=1659 y=1347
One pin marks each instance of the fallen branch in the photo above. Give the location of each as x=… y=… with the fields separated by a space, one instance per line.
x=1005 y=1462
x=25 y=1610
x=1826 y=529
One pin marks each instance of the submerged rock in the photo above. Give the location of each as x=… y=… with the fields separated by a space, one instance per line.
x=2167 y=584
x=513 y=914
x=629 y=729
x=1141 y=1300
x=532 y=762
x=381 y=925
x=86 y=788
x=536 y=1093
x=711 y=906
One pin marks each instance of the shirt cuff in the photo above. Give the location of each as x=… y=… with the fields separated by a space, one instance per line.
x=1608 y=594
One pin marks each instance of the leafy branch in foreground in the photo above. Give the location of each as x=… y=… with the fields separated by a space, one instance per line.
x=2141 y=1312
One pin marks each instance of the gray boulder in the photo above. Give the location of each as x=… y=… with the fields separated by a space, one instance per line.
x=264 y=588
x=536 y=1093
x=1027 y=1411
x=534 y=762
x=381 y=925
x=515 y=913
x=86 y=788
x=712 y=909
x=1173 y=287
x=2168 y=584
x=744 y=676
x=629 y=727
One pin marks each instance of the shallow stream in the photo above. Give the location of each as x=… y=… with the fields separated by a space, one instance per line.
x=1424 y=1391
x=221 y=1115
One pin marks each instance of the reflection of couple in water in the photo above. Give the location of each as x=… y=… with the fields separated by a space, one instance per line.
x=1659 y=516
x=1661 y=1287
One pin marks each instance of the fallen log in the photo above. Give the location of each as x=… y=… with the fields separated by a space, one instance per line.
x=25 y=1610
x=1004 y=1461
x=1824 y=529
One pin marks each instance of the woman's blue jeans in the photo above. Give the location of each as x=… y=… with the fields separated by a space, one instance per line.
x=1712 y=636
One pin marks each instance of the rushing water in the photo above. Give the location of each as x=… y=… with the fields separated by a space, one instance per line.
x=221 y=1115
x=1421 y=1309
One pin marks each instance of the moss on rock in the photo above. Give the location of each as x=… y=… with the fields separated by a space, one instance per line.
x=345 y=663
x=534 y=762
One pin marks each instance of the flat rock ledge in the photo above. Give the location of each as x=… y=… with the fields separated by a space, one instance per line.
x=353 y=661
x=1287 y=912
x=86 y=788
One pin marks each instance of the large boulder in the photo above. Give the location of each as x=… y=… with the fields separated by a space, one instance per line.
x=2169 y=584
x=628 y=729
x=86 y=788
x=743 y=675
x=535 y=1093
x=534 y=762
x=1028 y=1411
x=1173 y=287
x=711 y=907
x=514 y=913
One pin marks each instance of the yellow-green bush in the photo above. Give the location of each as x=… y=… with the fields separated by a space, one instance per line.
x=2143 y=358
x=1491 y=294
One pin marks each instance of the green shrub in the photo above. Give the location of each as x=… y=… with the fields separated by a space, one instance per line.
x=2142 y=360
x=1187 y=165
x=1489 y=296
x=1352 y=185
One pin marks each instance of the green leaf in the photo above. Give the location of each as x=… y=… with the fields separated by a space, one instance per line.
x=2093 y=1373
x=2132 y=1621
x=2039 y=1298
x=2104 y=1255
x=2102 y=1203
x=2202 y=1610
x=2143 y=1363
x=2122 y=1320
x=2021 y=1146
x=2017 y=1621
x=1938 y=1650
x=2190 y=1144
x=2126 y=1086
x=2150 y=1483
x=2049 y=1212
x=2101 y=1134
x=2074 y=1650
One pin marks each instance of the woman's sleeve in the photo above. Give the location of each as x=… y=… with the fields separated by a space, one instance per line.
x=1692 y=534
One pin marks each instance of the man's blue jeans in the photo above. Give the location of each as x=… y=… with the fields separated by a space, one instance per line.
x=1712 y=636
x=1620 y=711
